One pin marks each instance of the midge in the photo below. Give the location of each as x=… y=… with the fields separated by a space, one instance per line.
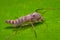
x=28 y=19
x=25 y=20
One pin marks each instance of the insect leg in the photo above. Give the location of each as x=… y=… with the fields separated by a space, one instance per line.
x=11 y=35
x=34 y=29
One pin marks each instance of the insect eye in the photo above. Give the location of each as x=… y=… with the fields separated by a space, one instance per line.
x=33 y=15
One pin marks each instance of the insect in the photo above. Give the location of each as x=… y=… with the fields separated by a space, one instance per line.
x=25 y=20
x=31 y=18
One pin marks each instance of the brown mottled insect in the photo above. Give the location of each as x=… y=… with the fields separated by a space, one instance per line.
x=31 y=18
x=25 y=20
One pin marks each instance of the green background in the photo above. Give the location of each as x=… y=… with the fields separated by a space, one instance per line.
x=10 y=9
